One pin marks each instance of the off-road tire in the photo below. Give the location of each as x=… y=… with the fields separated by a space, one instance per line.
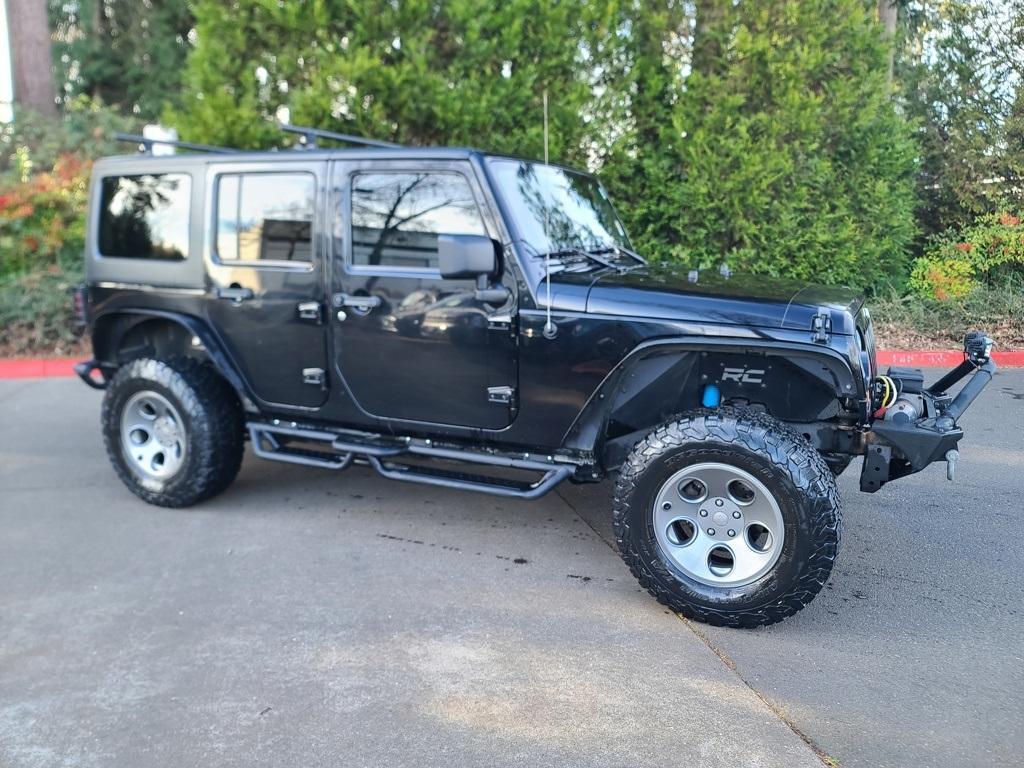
x=787 y=464
x=213 y=424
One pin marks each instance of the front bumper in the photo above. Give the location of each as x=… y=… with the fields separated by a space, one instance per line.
x=899 y=448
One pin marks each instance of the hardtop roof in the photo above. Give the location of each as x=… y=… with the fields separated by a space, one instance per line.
x=319 y=153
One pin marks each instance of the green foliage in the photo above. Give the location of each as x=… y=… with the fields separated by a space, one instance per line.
x=36 y=312
x=987 y=252
x=786 y=154
x=43 y=191
x=910 y=321
x=762 y=134
x=34 y=142
x=42 y=220
x=787 y=158
x=126 y=53
x=960 y=71
x=467 y=72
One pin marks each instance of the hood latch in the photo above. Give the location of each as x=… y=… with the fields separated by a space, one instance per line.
x=821 y=327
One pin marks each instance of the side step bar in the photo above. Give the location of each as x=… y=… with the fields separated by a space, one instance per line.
x=342 y=450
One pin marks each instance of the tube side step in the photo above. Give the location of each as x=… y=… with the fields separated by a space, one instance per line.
x=275 y=442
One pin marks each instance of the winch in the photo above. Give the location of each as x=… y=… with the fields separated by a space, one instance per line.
x=898 y=395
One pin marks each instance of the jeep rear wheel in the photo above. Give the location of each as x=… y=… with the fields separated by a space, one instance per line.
x=728 y=517
x=173 y=430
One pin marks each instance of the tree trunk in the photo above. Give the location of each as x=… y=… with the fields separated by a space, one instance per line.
x=709 y=32
x=887 y=16
x=31 y=56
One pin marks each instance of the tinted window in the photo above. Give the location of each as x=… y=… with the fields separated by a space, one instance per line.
x=555 y=209
x=265 y=216
x=396 y=217
x=145 y=217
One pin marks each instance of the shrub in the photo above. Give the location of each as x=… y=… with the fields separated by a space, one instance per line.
x=33 y=143
x=985 y=252
x=42 y=220
x=784 y=154
x=36 y=314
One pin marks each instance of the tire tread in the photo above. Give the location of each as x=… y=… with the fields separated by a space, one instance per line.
x=210 y=405
x=786 y=449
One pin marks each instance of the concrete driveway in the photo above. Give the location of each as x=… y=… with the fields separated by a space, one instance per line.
x=311 y=618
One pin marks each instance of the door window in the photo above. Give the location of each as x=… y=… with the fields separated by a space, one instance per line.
x=265 y=217
x=396 y=217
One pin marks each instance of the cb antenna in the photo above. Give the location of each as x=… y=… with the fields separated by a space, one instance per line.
x=545 y=126
x=550 y=329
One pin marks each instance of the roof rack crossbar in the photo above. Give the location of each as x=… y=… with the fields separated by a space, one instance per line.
x=146 y=144
x=310 y=135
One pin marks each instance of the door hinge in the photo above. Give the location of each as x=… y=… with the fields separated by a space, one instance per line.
x=500 y=395
x=821 y=327
x=310 y=310
x=499 y=321
x=313 y=376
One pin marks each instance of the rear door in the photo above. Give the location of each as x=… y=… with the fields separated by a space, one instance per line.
x=265 y=260
x=408 y=344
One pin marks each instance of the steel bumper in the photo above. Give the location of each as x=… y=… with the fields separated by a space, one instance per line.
x=897 y=449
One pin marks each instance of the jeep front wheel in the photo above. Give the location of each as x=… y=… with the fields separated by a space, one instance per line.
x=728 y=517
x=173 y=430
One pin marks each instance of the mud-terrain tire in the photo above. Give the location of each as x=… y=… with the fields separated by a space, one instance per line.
x=183 y=426
x=726 y=443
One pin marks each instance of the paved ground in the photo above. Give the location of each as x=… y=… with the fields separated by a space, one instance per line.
x=308 y=618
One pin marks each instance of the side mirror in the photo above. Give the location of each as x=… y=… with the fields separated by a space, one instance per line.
x=472 y=256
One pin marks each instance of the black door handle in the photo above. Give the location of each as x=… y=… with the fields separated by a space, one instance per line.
x=235 y=293
x=364 y=303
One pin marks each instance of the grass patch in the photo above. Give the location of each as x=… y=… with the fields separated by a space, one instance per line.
x=909 y=322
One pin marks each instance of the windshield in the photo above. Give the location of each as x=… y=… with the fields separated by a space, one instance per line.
x=555 y=210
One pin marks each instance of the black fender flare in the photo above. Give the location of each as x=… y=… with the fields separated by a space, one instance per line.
x=587 y=432
x=125 y=319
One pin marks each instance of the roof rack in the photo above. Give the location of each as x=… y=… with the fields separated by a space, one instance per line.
x=146 y=144
x=308 y=137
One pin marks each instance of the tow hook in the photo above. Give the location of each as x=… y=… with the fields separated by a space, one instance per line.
x=952 y=456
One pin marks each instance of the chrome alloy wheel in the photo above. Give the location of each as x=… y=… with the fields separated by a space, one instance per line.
x=718 y=524
x=152 y=436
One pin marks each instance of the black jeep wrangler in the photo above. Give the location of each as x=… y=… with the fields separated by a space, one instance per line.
x=467 y=320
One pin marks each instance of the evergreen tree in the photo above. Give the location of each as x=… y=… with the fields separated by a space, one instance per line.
x=958 y=66
x=769 y=141
x=786 y=155
x=641 y=81
x=461 y=72
x=124 y=53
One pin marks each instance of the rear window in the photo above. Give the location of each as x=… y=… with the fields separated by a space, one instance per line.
x=145 y=216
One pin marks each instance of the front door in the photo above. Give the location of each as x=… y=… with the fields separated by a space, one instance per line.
x=408 y=344
x=265 y=260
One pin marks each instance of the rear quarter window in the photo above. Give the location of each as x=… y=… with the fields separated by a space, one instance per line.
x=145 y=216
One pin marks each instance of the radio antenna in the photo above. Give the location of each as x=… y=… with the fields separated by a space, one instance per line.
x=545 y=126
x=550 y=331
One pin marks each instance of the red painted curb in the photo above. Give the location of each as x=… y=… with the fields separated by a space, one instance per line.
x=37 y=367
x=944 y=358
x=59 y=367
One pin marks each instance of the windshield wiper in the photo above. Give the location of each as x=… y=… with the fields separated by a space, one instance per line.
x=580 y=253
x=620 y=249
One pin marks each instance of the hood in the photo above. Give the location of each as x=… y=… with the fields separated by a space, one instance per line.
x=707 y=296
